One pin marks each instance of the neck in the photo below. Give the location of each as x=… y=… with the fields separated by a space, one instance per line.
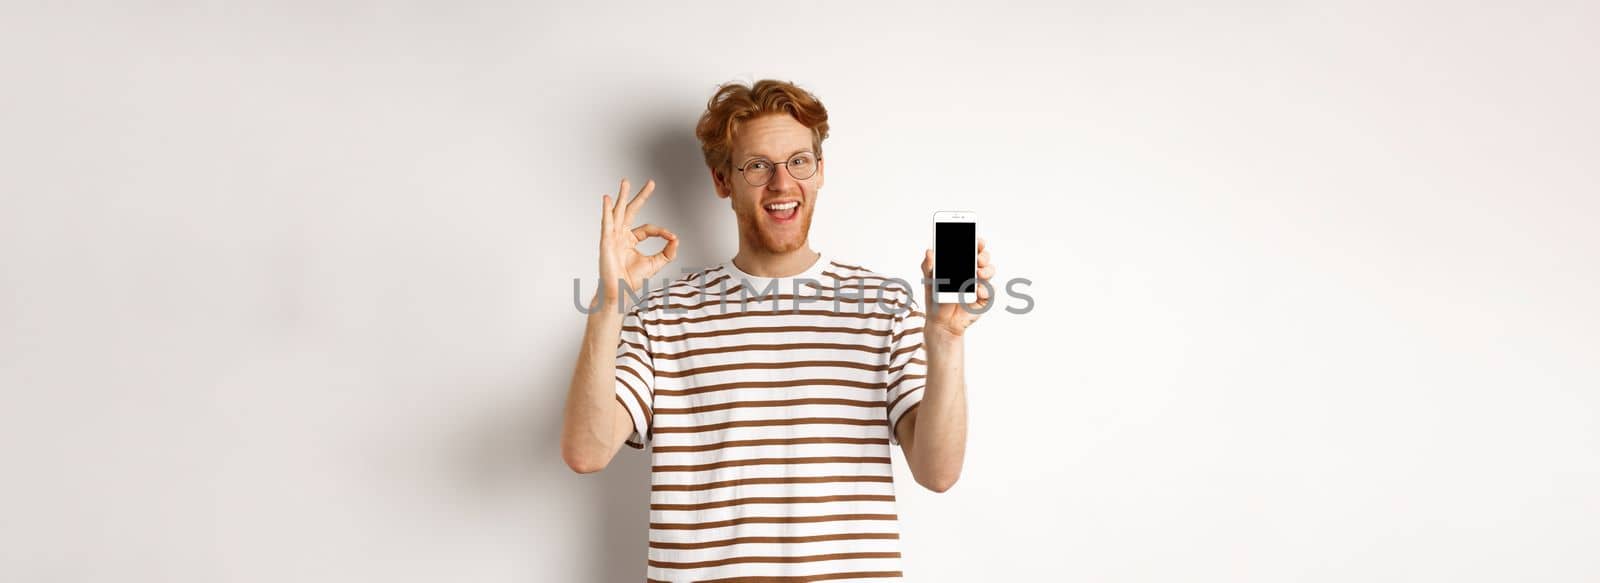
x=769 y=264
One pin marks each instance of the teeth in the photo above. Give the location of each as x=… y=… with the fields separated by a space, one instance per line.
x=782 y=206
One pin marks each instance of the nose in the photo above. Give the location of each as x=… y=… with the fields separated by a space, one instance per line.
x=781 y=181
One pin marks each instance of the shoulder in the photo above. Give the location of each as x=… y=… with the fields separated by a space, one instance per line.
x=847 y=274
x=690 y=284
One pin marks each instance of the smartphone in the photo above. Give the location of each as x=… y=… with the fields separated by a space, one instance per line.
x=955 y=256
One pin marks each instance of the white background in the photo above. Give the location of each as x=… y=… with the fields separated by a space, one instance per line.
x=285 y=289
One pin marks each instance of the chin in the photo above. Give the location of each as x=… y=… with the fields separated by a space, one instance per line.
x=774 y=240
x=783 y=246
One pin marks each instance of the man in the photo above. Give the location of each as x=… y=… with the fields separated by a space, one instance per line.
x=771 y=386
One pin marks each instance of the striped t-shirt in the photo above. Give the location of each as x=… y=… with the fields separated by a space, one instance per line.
x=770 y=428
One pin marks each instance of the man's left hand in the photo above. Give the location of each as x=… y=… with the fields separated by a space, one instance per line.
x=951 y=321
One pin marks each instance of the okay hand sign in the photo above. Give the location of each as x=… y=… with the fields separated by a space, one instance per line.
x=620 y=258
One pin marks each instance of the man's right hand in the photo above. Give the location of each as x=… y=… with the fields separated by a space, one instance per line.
x=620 y=258
x=596 y=423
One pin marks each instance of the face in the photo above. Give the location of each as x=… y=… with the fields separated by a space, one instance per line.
x=775 y=138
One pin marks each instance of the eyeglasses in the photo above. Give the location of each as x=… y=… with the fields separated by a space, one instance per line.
x=759 y=171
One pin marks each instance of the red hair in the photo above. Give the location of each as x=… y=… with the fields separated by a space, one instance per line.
x=734 y=103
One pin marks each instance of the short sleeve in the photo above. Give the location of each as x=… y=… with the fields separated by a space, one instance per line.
x=636 y=377
x=908 y=365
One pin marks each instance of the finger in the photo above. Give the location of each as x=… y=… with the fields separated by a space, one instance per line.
x=605 y=212
x=981 y=244
x=622 y=197
x=977 y=312
x=986 y=272
x=646 y=230
x=638 y=202
x=982 y=293
x=927 y=277
x=983 y=258
x=669 y=252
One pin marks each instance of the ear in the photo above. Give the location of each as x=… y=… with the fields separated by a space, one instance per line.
x=822 y=167
x=721 y=183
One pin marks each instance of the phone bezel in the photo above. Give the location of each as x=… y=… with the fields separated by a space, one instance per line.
x=970 y=297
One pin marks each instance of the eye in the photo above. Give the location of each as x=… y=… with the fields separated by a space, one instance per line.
x=760 y=166
x=800 y=161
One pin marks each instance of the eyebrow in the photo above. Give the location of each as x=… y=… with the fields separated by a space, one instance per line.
x=755 y=156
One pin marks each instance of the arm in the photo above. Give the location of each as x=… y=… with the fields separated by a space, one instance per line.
x=936 y=446
x=594 y=423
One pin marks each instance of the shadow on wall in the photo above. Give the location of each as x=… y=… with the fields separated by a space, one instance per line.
x=510 y=459
x=521 y=448
x=685 y=201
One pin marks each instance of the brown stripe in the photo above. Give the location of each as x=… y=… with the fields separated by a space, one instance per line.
x=751 y=540
x=856 y=286
x=776 y=480
x=706 y=271
x=784 y=559
x=629 y=441
x=785 y=346
x=903 y=396
x=773 y=330
x=861 y=276
x=782 y=403
x=777 y=500
x=779 y=297
x=770 y=423
x=695 y=291
x=895 y=369
x=713 y=294
x=894 y=355
x=902 y=333
x=855 y=267
x=696 y=287
x=638 y=330
x=771 y=461
x=768 y=385
x=629 y=369
x=888 y=284
x=904 y=378
x=774 y=441
x=640 y=359
x=649 y=416
x=767 y=520
x=808 y=578
x=710 y=281
x=775 y=312
x=769 y=366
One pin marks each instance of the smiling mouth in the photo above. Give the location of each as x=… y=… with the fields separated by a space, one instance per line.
x=782 y=211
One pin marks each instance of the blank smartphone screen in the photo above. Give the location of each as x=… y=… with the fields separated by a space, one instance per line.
x=955 y=245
